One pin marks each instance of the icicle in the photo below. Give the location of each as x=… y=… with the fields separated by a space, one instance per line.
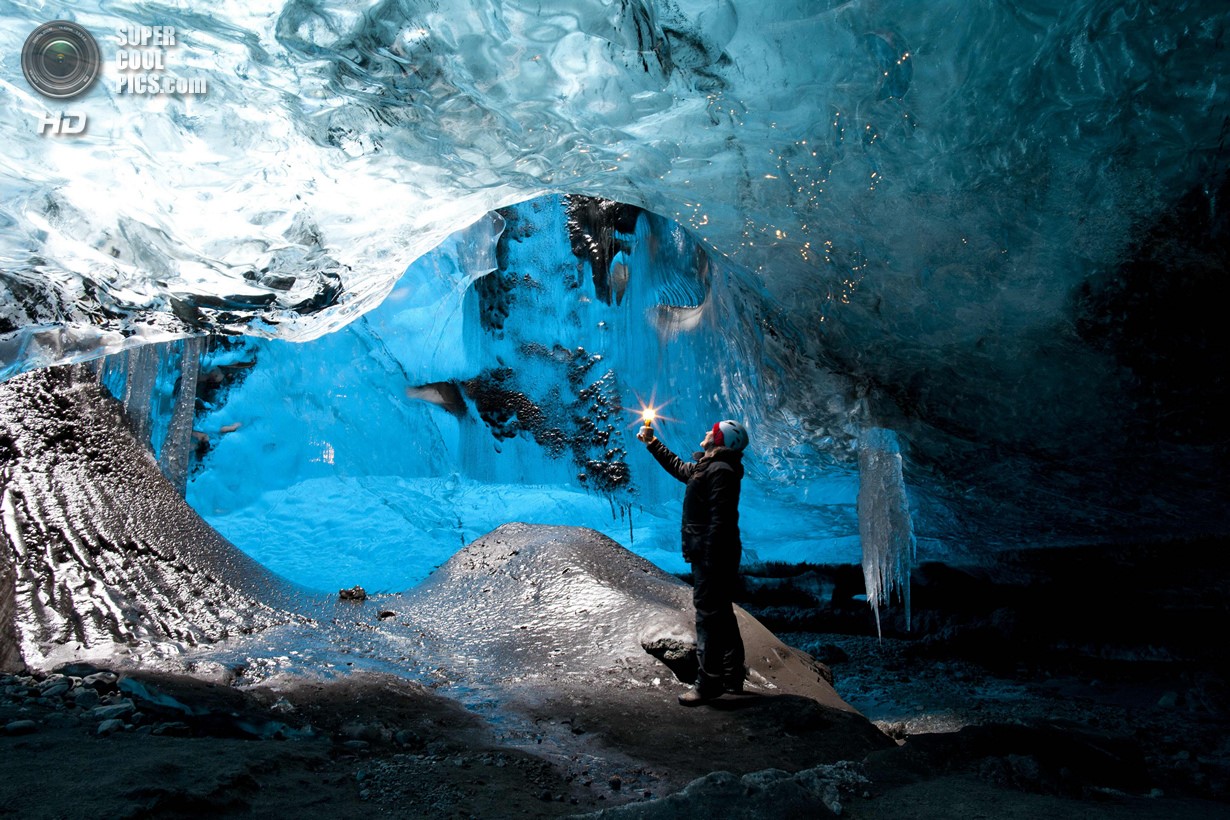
x=139 y=389
x=176 y=447
x=884 y=525
x=111 y=372
x=157 y=385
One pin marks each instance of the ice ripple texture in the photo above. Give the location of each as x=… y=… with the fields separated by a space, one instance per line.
x=98 y=553
x=924 y=151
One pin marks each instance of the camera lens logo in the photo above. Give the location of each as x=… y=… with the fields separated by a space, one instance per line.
x=61 y=60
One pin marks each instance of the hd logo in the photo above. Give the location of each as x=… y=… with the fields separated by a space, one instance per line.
x=61 y=60
x=61 y=124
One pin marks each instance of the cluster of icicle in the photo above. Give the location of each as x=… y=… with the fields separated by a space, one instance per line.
x=884 y=525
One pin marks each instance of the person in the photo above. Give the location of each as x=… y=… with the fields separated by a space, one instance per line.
x=711 y=544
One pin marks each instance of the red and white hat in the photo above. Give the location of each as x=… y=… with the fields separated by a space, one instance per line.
x=729 y=433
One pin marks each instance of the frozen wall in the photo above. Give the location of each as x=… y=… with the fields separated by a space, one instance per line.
x=502 y=380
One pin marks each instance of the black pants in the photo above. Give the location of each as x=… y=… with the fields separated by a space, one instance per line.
x=719 y=647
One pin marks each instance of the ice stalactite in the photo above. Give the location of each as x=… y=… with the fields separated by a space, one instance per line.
x=140 y=373
x=884 y=524
x=177 y=443
x=157 y=385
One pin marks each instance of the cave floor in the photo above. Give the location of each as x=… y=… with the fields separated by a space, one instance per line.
x=1091 y=702
x=1107 y=739
x=975 y=742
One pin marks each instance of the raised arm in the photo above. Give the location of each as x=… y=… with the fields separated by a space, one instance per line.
x=670 y=462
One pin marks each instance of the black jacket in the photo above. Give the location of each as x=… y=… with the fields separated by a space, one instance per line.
x=710 y=525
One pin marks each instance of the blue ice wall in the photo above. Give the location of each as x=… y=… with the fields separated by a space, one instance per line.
x=337 y=467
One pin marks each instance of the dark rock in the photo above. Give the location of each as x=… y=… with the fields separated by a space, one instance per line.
x=103 y=681
x=355 y=593
x=678 y=655
x=55 y=687
x=152 y=698
x=80 y=670
x=21 y=727
x=85 y=697
x=108 y=727
x=117 y=710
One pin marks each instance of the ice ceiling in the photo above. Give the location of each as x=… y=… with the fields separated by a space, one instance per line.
x=996 y=228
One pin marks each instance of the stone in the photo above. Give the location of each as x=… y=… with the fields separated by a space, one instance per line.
x=355 y=593
x=85 y=697
x=110 y=727
x=116 y=710
x=55 y=688
x=20 y=727
x=101 y=680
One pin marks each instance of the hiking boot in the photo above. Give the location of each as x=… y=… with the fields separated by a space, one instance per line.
x=696 y=695
x=733 y=683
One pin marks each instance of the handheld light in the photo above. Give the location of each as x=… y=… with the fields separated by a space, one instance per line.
x=647 y=416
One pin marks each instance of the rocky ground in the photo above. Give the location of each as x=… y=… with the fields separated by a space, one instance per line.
x=995 y=714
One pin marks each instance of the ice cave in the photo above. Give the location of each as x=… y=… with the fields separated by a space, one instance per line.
x=327 y=328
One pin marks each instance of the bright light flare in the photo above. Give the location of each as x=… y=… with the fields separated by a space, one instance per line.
x=649 y=413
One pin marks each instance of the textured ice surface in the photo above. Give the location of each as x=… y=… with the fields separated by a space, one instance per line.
x=1001 y=225
x=339 y=142
x=99 y=555
x=547 y=607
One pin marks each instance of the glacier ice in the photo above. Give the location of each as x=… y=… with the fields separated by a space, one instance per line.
x=961 y=215
x=345 y=442
x=157 y=386
x=885 y=526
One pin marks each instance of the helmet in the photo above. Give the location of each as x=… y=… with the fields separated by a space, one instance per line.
x=730 y=433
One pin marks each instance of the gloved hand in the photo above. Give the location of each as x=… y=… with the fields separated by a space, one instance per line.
x=646 y=434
